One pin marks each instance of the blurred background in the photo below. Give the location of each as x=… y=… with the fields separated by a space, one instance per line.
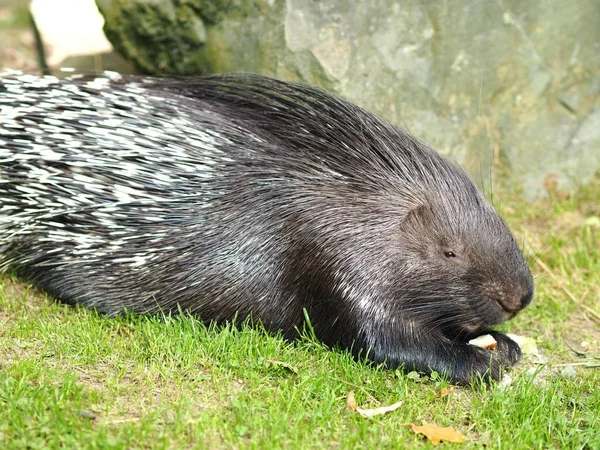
x=509 y=89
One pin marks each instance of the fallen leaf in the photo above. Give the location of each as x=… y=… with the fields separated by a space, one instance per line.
x=447 y=390
x=413 y=375
x=506 y=382
x=435 y=433
x=378 y=411
x=568 y=372
x=527 y=344
x=592 y=221
x=351 y=402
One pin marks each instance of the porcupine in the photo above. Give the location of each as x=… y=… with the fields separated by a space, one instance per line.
x=244 y=196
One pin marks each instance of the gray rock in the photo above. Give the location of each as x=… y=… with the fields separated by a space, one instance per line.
x=505 y=87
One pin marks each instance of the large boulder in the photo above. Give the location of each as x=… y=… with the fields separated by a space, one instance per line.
x=507 y=87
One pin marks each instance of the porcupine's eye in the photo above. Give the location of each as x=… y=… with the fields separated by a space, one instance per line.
x=449 y=254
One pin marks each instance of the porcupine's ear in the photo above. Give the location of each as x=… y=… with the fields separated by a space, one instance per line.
x=420 y=213
x=416 y=217
x=427 y=218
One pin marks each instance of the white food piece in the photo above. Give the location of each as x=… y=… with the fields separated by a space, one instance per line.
x=484 y=341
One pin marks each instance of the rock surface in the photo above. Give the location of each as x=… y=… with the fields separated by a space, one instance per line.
x=504 y=87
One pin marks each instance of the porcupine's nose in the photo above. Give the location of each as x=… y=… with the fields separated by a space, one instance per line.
x=514 y=303
x=526 y=299
x=528 y=288
x=523 y=294
x=511 y=299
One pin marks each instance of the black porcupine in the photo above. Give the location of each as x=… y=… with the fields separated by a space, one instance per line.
x=241 y=194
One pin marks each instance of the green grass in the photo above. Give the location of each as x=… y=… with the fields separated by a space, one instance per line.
x=70 y=378
x=14 y=14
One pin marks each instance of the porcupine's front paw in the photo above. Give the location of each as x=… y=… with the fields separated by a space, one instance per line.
x=490 y=364
x=458 y=361
x=507 y=351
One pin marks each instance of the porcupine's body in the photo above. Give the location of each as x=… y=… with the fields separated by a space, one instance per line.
x=250 y=196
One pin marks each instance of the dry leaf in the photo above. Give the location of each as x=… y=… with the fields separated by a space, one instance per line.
x=505 y=382
x=527 y=344
x=435 y=433
x=378 y=411
x=351 y=402
x=447 y=390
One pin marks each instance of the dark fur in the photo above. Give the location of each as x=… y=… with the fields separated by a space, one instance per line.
x=316 y=204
